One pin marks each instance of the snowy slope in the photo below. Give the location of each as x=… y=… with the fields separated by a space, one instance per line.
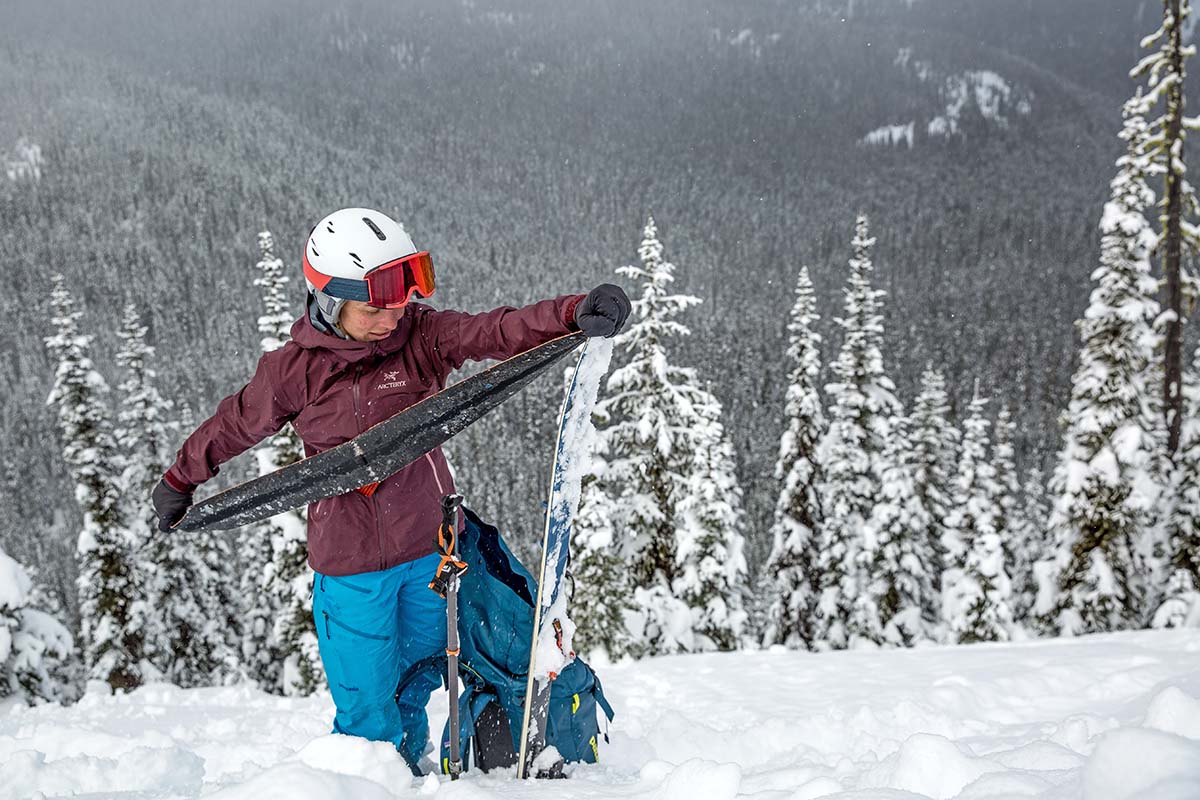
x=1096 y=718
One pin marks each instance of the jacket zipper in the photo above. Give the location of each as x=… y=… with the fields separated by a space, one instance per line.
x=358 y=422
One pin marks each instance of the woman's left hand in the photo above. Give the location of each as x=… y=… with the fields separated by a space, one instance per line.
x=603 y=311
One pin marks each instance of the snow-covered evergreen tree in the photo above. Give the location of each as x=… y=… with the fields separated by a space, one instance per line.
x=790 y=567
x=1029 y=546
x=276 y=321
x=1106 y=481
x=976 y=599
x=111 y=646
x=182 y=611
x=1008 y=502
x=902 y=563
x=31 y=640
x=1181 y=604
x=601 y=592
x=935 y=464
x=259 y=659
x=663 y=429
x=711 y=576
x=1160 y=151
x=862 y=404
x=284 y=592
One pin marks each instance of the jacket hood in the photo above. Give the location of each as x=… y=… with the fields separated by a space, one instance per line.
x=306 y=335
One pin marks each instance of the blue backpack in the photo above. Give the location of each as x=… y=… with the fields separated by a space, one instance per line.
x=495 y=623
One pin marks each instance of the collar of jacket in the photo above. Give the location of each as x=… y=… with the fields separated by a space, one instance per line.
x=306 y=335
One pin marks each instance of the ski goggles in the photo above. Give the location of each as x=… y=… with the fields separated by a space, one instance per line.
x=389 y=285
x=393 y=284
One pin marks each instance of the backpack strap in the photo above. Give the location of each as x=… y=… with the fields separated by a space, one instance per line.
x=601 y=700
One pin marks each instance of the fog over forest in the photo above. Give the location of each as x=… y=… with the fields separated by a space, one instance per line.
x=524 y=143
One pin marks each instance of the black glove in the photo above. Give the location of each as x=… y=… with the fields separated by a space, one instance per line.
x=604 y=311
x=169 y=504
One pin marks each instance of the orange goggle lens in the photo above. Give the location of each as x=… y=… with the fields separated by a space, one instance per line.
x=393 y=284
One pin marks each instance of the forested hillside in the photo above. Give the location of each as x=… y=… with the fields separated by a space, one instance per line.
x=524 y=143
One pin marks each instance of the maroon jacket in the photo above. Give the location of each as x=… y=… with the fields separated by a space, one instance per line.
x=332 y=389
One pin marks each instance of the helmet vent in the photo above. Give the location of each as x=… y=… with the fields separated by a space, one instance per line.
x=313 y=247
x=329 y=227
x=357 y=260
x=371 y=224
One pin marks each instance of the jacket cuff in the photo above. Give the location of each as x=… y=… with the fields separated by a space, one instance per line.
x=569 y=312
x=177 y=484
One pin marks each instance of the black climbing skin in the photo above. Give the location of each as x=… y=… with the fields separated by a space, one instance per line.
x=381 y=451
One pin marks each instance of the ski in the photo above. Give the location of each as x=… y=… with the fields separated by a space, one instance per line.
x=550 y=650
x=381 y=451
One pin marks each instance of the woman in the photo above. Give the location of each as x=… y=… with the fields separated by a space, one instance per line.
x=363 y=351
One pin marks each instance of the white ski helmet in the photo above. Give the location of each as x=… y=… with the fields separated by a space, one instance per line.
x=361 y=254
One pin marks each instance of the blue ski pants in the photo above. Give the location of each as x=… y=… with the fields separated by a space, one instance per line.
x=371 y=627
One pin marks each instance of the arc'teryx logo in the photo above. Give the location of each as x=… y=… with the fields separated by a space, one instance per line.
x=390 y=382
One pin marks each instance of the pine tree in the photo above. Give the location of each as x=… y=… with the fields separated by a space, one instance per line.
x=1161 y=151
x=862 y=402
x=276 y=322
x=1029 y=546
x=1106 y=483
x=976 y=598
x=791 y=572
x=600 y=589
x=31 y=640
x=935 y=463
x=287 y=580
x=1008 y=519
x=600 y=600
x=660 y=420
x=1181 y=605
x=112 y=648
x=711 y=576
x=182 y=612
x=902 y=563
x=259 y=658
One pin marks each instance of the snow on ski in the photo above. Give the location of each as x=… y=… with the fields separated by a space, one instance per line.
x=553 y=629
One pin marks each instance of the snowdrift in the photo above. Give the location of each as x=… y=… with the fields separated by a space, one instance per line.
x=1095 y=718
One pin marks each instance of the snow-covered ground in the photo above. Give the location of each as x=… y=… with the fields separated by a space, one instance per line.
x=1096 y=718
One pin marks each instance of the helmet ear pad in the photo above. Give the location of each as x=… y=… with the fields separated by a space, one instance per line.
x=329 y=306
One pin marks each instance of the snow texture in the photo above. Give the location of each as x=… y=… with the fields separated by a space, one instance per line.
x=1103 y=717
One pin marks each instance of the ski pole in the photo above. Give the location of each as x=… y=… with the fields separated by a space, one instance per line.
x=445 y=583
